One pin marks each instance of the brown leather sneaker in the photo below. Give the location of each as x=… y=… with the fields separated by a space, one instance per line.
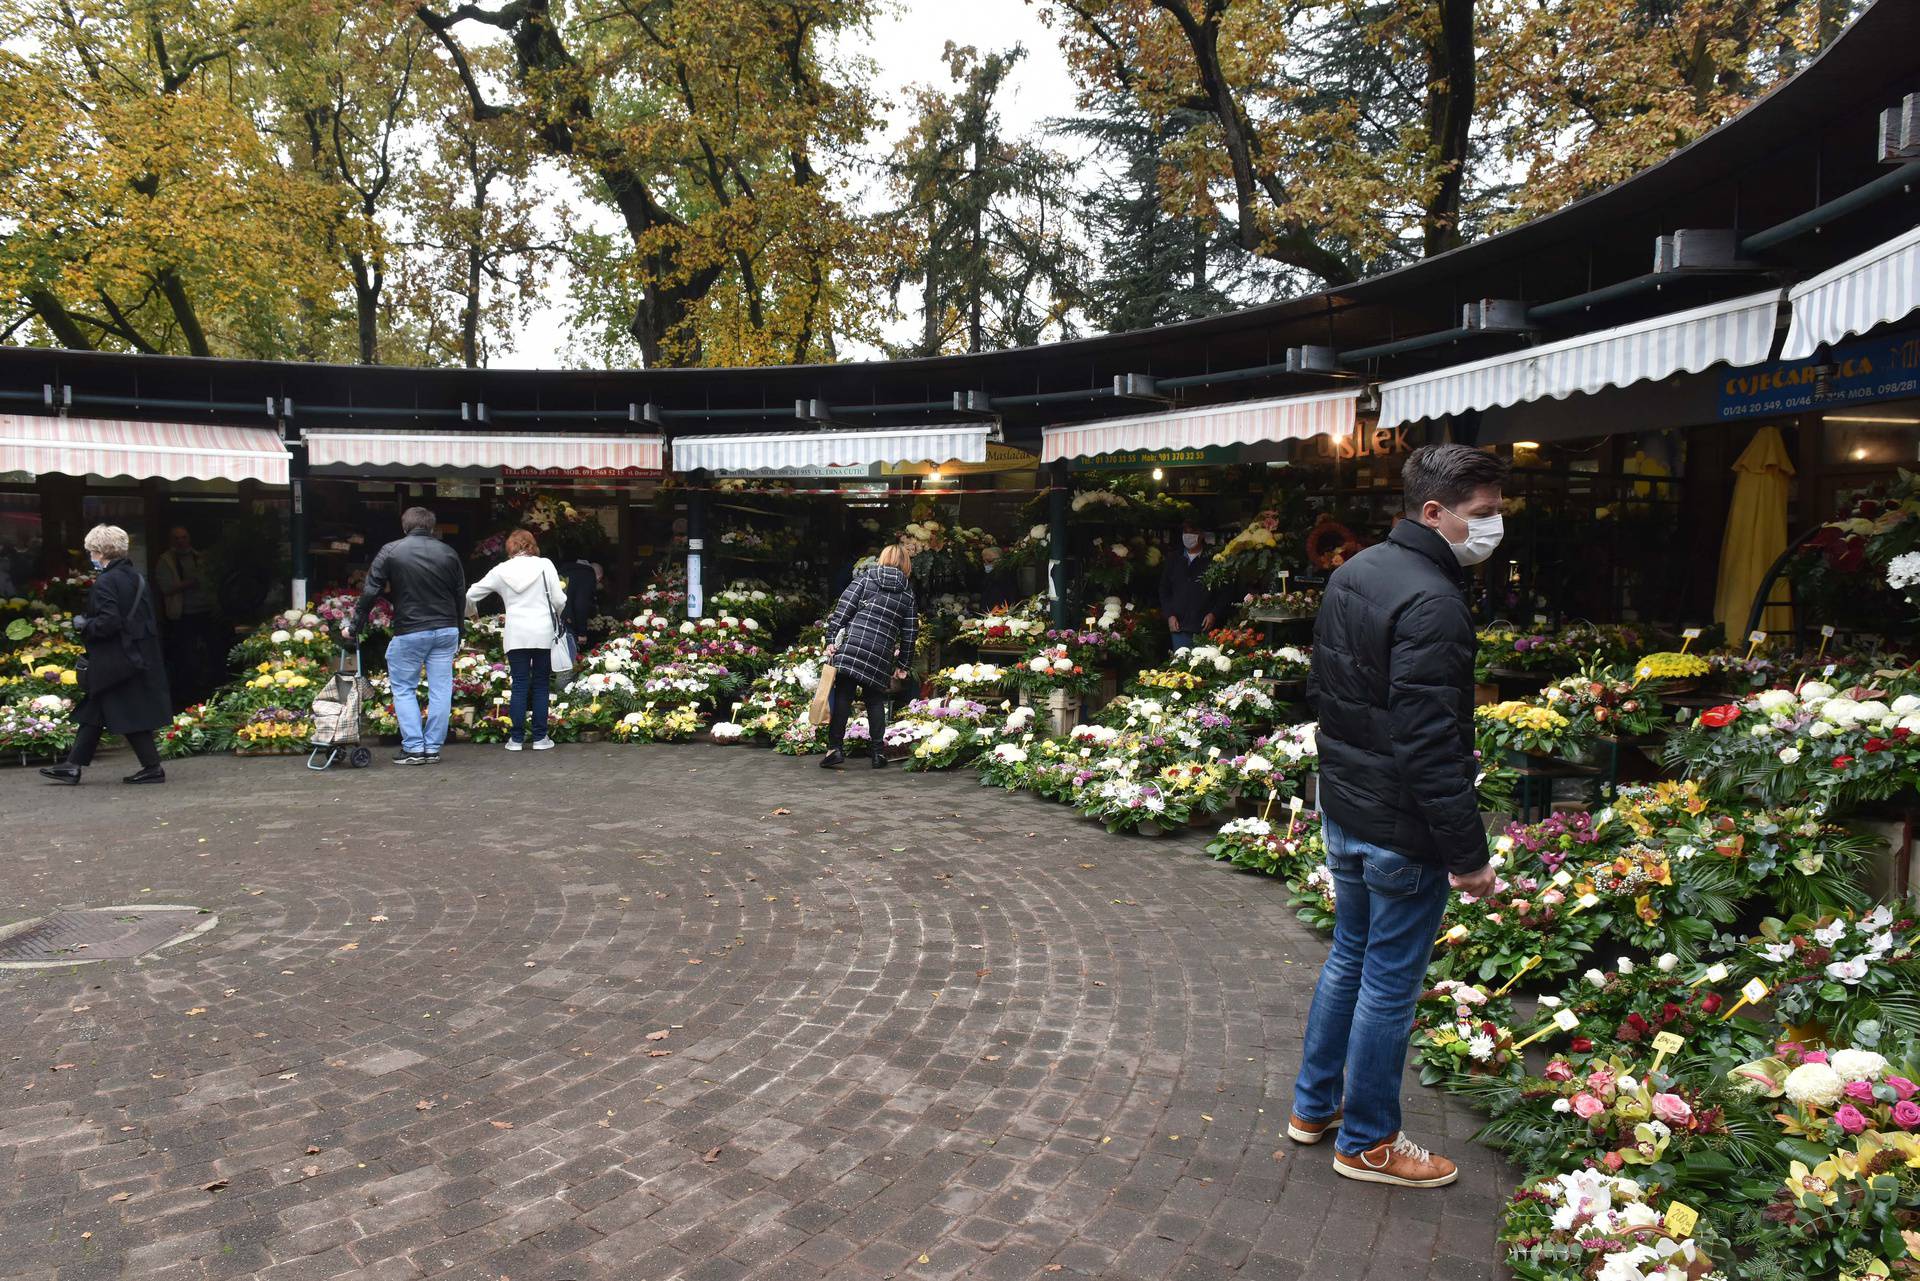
x=1401 y=1162
x=1310 y=1131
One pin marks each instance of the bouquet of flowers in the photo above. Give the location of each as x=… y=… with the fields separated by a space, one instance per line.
x=659 y=724
x=1855 y=978
x=970 y=678
x=1004 y=765
x=1601 y=704
x=185 y=735
x=1460 y=1029
x=1278 y=763
x=1064 y=660
x=1290 y=848
x=1504 y=649
x=1525 y=926
x=1302 y=602
x=308 y=637
x=1592 y=1223
x=1254 y=556
x=1288 y=663
x=1313 y=897
x=1527 y=728
x=276 y=726
x=1781 y=745
x=40 y=727
x=1006 y=626
x=1669 y=668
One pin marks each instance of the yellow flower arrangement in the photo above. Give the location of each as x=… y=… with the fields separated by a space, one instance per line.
x=1671 y=666
x=1195 y=780
x=274 y=731
x=1527 y=716
x=1170 y=679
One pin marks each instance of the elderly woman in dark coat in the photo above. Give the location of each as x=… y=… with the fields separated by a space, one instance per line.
x=875 y=649
x=126 y=681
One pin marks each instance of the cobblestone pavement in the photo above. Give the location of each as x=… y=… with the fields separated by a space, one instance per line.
x=649 y=1013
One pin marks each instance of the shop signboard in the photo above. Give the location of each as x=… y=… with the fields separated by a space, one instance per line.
x=1859 y=373
x=1141 y=459
x=1000 y=458
x=580 y=473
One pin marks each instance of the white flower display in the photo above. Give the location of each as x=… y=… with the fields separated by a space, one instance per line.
x=280 y=636
x=1666 y=962
x=726 y=731
x=1246 y=827
x=1903 y=571
x=1774 y=700
x=1849 y=972
x=1481 y=1047
x=1789 y=755
x=1858 y=1065
x=1010 y=753
x=1814 y=1085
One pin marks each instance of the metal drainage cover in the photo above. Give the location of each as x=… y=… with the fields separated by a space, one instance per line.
x=100 y=934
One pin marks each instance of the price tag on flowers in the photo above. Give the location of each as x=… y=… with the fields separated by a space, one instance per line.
x=1752 y=992
x=1681 y=1219
x=1665 y=1043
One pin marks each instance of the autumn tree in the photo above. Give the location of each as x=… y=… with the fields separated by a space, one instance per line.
x=1593 y=91
x=702 y=125
x=984 y=216
x=141 y=204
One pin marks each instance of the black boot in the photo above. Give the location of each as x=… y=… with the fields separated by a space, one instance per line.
x=880 y=760
x=149 y=774
x=65 y=775
x=832 y=760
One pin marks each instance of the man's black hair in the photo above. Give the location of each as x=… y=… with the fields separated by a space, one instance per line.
x=1448 y=475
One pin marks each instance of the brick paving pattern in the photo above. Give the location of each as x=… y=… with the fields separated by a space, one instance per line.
x=913 y=1029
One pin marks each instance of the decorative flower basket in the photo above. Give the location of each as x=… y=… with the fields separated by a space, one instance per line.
x=1152 y=830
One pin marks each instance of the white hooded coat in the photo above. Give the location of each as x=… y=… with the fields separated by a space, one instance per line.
x=531 y=591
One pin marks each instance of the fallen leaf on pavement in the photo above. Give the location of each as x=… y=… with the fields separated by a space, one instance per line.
x=659 y=1054
x=424 y=1105
x=121 y=1196
x=349 y=947
x=710 y=1155
x=62 y=1067
x=376 y=919
x=309 y=1170
x=312 y=1151
x=501 y=1125
x=777 y=813
x=661 y=1035
x=214 y=1186
x=198 y=1009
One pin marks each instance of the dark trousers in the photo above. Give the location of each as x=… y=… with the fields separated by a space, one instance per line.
x=187 y=641
x=88 y=739
x=874 y=696
x=532 y=671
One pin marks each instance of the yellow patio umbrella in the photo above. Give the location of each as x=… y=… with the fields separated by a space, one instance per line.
x=1756 y=535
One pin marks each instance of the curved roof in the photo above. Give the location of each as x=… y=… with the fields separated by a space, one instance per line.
x=1807 y=142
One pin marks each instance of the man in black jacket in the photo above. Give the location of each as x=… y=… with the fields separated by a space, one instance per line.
x=1392 y=685
x=1185 y=601
x=423 y=578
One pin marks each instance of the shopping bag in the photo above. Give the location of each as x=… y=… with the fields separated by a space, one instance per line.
x=820 y=711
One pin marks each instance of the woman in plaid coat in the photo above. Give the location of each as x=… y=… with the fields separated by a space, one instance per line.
x=877 y=613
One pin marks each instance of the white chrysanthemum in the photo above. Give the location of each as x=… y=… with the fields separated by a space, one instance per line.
x=1906 y=705
x=1858 y=1065
x=1814 y=1085
x=1903 y=571
x=1815 y=692
x=1774 y=700
x=1481 y=1047
x=280 y=636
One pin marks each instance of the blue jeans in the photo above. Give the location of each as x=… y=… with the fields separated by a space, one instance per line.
x=1387 y=908
x=406 y=656
x=532 y=672
x=1179 y=641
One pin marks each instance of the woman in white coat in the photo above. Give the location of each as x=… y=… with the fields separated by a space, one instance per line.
x=528 y=585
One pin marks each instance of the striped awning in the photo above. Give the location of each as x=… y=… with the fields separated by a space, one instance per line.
x=142 y=450
x=1738 y=331
x=1244 y=423
x=1871 y=289
x=586 y=455
x=794 y=450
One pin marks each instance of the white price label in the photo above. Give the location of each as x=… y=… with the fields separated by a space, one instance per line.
x=1295 y=804
x=1691 y=633
x=1566 y=1020
x=1754 y=990
x=1827 y=630
x=1756 y=638
x=1716 y=973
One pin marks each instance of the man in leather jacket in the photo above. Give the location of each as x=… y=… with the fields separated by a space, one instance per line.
x=427 y=586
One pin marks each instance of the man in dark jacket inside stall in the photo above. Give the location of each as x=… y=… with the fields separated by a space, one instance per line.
x=1392 y=685
x=1185 y=601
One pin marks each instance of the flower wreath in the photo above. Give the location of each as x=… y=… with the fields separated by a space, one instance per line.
x=1329 y=543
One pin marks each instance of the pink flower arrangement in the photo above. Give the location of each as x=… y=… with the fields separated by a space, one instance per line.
x=1672 y=1109
x=1586 y=1106
x=1906 y=1114
x=1849 y=1119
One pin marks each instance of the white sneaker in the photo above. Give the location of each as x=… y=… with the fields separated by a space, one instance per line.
x=514 y=745
x=543 y=744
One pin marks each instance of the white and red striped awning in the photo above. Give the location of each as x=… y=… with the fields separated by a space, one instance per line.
x=585 y=455
x=1873 y=288
x=818 y=452
x=1328 y=413
x=119 y=447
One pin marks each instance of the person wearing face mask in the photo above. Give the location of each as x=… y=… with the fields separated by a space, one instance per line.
x=126 y=680
x=1185 y=601
x=1392 y=685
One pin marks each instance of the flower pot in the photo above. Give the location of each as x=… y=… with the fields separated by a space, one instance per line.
x=590 y=736
x=1152 y=830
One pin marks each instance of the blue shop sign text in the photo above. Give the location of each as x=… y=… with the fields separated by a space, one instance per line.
x=1862 y=372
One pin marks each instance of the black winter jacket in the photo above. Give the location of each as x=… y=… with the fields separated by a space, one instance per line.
x=1392 y=685
x=877 y=611
x=140 y=700
x=1182 y=594
x=423 y=578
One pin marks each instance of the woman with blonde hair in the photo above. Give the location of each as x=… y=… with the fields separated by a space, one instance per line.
x=125 y=683
x=529 y=586
x=870 y=638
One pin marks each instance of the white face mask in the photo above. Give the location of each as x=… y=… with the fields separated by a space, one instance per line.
x=1192 y=541
x=1483 y=535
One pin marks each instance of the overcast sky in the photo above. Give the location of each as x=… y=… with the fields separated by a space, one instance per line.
x=906 y=44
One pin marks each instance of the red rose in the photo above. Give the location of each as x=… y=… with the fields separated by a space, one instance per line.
x=1711 y=1003
x=1720 y=717
x=1876 y=745
x=1841 y=762
x=1580 y=1044
x=1902 y=734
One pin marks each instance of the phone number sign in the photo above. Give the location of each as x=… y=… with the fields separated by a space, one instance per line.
x=1859 y=373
